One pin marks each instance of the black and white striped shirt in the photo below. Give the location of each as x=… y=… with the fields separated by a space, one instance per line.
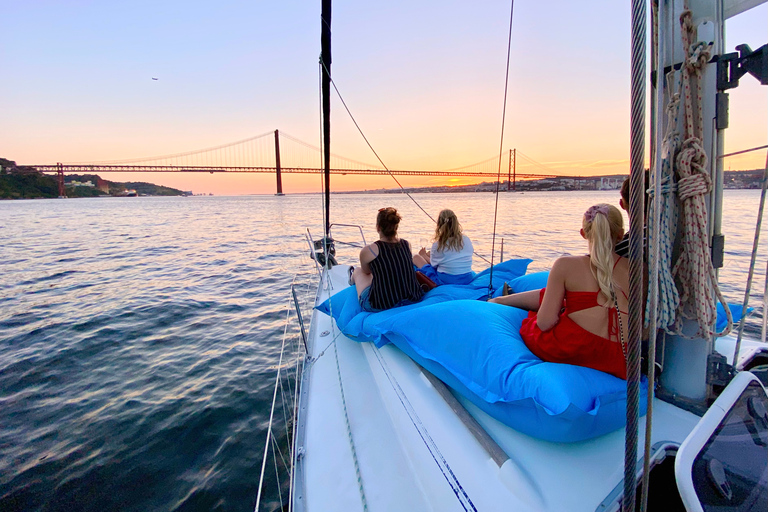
x=622 y=247
x=394 y=279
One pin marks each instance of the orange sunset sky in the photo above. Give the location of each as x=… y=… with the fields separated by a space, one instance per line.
x=424 y=79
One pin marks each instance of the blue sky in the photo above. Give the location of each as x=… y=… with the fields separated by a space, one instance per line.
x=424 y=78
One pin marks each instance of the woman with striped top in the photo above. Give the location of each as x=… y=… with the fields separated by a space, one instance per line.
x=386 y=278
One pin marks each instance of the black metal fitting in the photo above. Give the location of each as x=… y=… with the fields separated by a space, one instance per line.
x=732 y=66
x=319 y=254
x=719 y=372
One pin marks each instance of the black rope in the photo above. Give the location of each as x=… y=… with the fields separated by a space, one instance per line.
x=501 y=146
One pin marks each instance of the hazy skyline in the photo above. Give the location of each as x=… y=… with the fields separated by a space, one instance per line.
x=424 y=79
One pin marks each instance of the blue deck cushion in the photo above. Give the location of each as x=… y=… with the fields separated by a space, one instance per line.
x=722 y=320
x=475 y=348
x=528 y=282
x=361 y=325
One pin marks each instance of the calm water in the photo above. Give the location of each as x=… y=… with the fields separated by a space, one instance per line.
x=139 y=336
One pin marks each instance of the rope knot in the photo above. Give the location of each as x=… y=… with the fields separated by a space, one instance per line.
x=699 y=56
x=671 y=108
x=686 y=19
x=692 y=166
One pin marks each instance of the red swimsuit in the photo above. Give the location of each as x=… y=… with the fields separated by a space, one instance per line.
x=568 y=342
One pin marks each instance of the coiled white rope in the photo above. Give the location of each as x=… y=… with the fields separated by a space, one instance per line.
x=662 y=235
x=694 y=269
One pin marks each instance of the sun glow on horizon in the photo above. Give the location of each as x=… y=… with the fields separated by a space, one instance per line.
x=430 y=99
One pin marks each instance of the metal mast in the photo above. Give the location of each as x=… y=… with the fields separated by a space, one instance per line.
x=325 y=57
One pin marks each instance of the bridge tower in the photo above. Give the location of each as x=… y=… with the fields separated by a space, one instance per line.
x=277 y=165
x=60 y=179
x=512 y=169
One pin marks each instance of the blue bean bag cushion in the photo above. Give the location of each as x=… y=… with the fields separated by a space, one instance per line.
x=722 y=320
x=528 y=282
x=362 y=326
x=475 y=348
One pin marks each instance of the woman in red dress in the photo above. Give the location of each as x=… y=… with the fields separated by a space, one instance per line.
x=580 y=317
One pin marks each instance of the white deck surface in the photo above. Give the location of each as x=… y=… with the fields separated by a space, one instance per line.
x=428 y=460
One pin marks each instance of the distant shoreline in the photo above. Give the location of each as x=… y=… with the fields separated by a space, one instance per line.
x=733 y=180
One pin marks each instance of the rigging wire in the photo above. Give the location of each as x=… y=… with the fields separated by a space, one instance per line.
x=501 y=146
x=381 y=161
x=658 y=53
x=371 y=147
x=637 y=153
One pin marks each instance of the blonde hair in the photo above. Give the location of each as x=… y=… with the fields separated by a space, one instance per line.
x=603 y=226
x=448 y=233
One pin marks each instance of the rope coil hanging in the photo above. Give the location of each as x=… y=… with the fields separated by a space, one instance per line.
x=663 y=234
x=693 y=269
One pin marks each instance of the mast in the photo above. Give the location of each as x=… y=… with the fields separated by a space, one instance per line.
x=325 y=57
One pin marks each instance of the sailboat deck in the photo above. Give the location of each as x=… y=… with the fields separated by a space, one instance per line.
x=414 y=453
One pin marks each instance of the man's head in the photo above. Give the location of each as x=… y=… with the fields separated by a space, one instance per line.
x=624 y=201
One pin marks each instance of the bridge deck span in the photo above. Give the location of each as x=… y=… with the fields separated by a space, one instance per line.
x=89 y=168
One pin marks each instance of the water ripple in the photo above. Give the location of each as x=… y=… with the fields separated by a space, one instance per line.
x=138 y=353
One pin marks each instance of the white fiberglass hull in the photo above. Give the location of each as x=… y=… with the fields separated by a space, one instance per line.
x=414 y=453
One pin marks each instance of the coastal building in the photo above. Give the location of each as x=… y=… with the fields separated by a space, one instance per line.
x=102 y=185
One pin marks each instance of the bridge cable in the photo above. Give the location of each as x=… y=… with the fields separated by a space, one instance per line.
x=501 y=147
x=177 y=155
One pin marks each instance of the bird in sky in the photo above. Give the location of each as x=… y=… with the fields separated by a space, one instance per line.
x=153 y=78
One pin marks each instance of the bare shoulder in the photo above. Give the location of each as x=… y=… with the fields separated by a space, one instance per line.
x=621 y=269
x=369 y=252
x=566 y=263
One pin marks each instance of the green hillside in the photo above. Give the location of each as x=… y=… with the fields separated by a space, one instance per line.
x=27 y=183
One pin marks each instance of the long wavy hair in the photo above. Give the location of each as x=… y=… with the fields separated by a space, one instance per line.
x=603 y=226
x=448 y=233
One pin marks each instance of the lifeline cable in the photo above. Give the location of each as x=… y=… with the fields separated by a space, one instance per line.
x=750 y=275
x=426 y=437
x=272 y=410
x=501 y=147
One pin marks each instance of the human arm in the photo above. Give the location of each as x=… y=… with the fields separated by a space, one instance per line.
x=552 y=302
x=367 y=255
x=425 y=254
x=435 y=256
x=524 y=300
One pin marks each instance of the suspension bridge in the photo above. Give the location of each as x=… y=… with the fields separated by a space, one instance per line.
x=279 y=153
